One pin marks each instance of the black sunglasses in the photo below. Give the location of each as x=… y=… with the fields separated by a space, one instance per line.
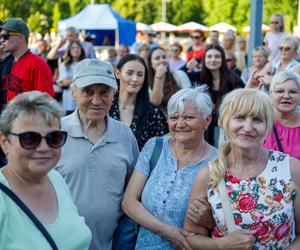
x=5 y=36
x=195 y=37
x=285 y=48
x=31 y=140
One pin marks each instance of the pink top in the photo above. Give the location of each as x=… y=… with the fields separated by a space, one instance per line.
x=289 y=138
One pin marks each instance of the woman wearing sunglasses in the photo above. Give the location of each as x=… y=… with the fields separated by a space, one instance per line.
x=31 y=138
x=273 y=37
x=288 y=46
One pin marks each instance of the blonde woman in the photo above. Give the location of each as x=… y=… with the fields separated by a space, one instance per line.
x=261 y=184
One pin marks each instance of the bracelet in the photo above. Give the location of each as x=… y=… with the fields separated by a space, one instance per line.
x=159 y=77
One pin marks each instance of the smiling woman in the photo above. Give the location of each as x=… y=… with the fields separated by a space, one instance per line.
x=132 y=105
x=259 y=185
x=31 y=138
x=285 y=95
x=157 y=199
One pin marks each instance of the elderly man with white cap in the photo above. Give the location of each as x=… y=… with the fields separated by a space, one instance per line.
x=100 y=152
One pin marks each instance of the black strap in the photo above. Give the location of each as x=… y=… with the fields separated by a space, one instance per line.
x=277 y=139
x=27 y=211
x=156 y=152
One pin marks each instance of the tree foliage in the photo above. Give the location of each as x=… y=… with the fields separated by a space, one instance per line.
x=41 y=15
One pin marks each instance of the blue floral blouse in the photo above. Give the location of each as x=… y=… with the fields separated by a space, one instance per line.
x=166 y=192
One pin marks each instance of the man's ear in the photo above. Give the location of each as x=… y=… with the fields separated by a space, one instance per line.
x=73 y=91
x=4 y=143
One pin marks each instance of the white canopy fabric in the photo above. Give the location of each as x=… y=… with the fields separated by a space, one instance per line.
x=142 y=27
x=164 y=27
x=191 y=26
x=222 y=27
x=263 y=28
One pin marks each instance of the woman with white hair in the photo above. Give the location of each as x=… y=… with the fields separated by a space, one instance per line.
x=251 y=191
x=285 y=95
x=288 y=46
x=157 y=201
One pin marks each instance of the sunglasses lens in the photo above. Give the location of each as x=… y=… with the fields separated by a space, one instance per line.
x=4 y=36
x=30 y=140
x=56 y=139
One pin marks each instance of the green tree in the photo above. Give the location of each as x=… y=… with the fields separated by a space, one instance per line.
x=56 y=16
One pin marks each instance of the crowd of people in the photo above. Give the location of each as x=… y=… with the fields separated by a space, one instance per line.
x=149 y=149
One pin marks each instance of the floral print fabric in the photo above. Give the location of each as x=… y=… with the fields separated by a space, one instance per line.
x=263 y=203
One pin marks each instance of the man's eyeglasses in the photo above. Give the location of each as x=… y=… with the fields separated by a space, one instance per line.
x=281 y=92
x=285 y=49
x=229 y=59
x=31 y=140
x=274 y=22
x=5 y=36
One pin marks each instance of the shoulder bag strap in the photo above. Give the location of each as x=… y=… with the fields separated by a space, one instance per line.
x=156 y=152
x=226 y=207
x=277 y=139
x=27 y=211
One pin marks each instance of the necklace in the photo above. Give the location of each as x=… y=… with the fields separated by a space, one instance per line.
x=189 y=162
x=250 y=169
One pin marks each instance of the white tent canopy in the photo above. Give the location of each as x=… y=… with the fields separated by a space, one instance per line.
x=142 y=27
x=222 y=27
x=191 y=26
x=164 y=27
x=263 y=28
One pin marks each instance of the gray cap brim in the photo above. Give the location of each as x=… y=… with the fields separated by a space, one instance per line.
x=85 y=81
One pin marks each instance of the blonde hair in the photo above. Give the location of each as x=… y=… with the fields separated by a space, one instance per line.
x=248 y=102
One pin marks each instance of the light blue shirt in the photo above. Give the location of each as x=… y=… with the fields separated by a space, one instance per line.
x=166 y=192
x=68 y=231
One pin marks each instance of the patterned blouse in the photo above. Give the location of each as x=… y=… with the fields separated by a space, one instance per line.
x=155 y=125
x=166 y=192
x=263 y=203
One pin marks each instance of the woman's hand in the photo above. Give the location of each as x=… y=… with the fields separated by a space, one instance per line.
x=192 y=64
x=199 y=212
x=161 y=71
x=239 y=240
x=255 y=81
x=177 y=237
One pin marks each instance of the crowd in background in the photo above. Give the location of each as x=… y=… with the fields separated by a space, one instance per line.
x=220 y=118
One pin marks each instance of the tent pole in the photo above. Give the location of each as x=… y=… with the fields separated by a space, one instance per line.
x=117 y=42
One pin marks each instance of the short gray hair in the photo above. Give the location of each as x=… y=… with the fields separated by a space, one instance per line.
x=283 y=76
x=197 y=96
x=30 y=103
x=292 y=40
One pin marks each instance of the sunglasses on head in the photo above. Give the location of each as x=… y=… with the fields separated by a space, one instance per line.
x=285 y=48
x=31 y=140
x=5 y=36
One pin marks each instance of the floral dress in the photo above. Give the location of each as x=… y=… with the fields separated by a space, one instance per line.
x=263 y=203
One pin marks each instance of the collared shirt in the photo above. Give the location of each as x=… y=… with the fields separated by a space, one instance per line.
x=97 y=173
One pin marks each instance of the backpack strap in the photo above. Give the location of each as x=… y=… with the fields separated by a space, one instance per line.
x=156 y=152
x=31 y=216
x=277 y=139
